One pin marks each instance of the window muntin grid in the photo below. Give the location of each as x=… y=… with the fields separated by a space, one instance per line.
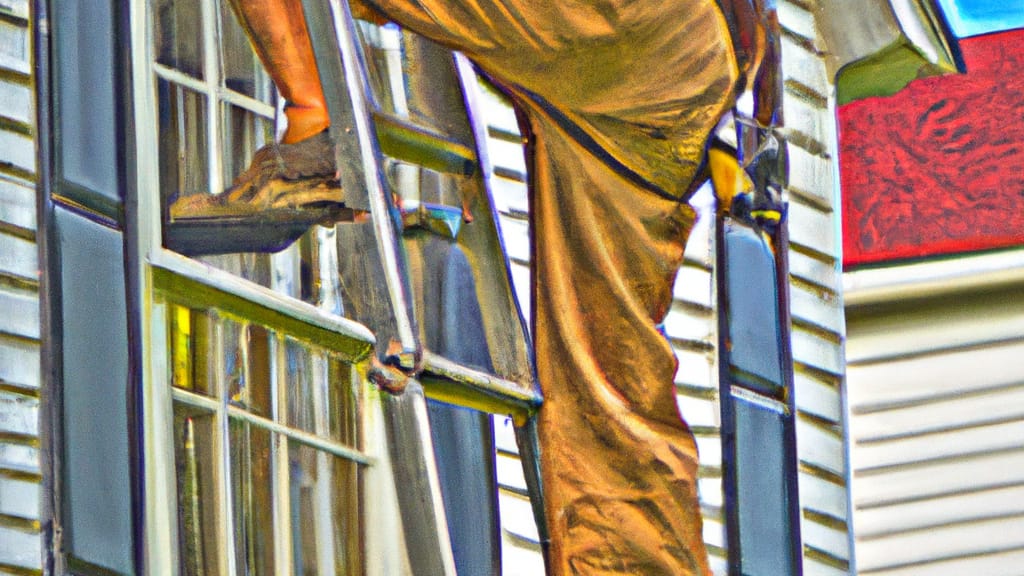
x=267 y=448
x=265 y=430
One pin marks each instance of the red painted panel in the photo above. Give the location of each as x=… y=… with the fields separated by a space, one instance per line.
x=938 y=168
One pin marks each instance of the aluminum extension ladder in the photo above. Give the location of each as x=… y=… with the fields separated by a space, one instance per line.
x=438 y=129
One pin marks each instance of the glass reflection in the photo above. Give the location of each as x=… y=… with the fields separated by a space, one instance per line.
x=324 y=500
x=252 y=485
x=191 y=335
x=178 y=35
x=246 y=366
x=242 y=71
x=182 y=145
x=244 y=133
x=194 y=432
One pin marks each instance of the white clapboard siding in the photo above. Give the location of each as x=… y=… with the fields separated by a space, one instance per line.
x=937 y=420
x=20 y=479
x=815 y=295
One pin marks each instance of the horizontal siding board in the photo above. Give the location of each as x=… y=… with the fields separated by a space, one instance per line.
x=19 y=362
x=20 y=498
x=817 y=307
x=816 y=270
x=698 y=411
x=820 y=495
x=814 y=350
x=19 y=415
x=993 y=563
x=507 y=155
x=17 y=204
x=17 y=150
x=19 y=458
x=810 y=175
x=952 y=323
x=498 y=113
x=520 y=558
x=817 y=397
x=693 y=286
x=948 y=445
x=516 y=235
x=952 y=413
x=709 y=448
x=17 y=101
x=517 y=515
x=804 y=116
x=811 y=228
x=828 y=538
x=940 y=542
x=965 y=474
x=19 y=257
x=510 y=196
x=714 y=532
x=804 y=66
x=922 y=378
x=15 y=47
x=710 y=490
x=820 y=447
x=696 y=369
x=686 y=324
x=814 y=567
x=19 y=548
x=16 y=8
x=797 y=20
x=877 y=523
x=21 y=315
x=510 y=472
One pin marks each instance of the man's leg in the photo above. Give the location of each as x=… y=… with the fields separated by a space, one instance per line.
x=278 y=32
x=619 y=464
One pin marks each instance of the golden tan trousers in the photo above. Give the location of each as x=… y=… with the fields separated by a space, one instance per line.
x=620 y=97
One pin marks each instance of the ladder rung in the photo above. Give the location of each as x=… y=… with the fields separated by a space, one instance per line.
x=454 y=383
x=405 y=141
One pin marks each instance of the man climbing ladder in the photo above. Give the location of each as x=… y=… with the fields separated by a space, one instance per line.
x=620 y=98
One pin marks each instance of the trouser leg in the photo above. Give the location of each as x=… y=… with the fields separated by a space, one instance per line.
x=279 y=36
x=619 y=464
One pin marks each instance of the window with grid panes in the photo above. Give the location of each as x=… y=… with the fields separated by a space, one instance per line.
x=262 y=394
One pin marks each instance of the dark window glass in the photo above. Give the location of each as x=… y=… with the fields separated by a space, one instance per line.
x=183 y=145
x=86 y=96
x=97 y=486
x=753 y=310
x=763 y=500
x=178 y=35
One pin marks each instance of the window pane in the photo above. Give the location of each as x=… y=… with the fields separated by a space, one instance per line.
x=178 y=35
x=244 y=134
x=191 y=341
x=762 y=491
x=87 y=96
x=247 y=366
x=304 y=397
x=252 y=485
x=194 y=433
x=183 y=148
x=322 y=395
x=343 y=407
x=96 y=477
x=753 y=310
x=325 y=512
x=242 y=71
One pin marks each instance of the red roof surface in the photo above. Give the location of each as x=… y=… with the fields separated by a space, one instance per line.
x=938 y=168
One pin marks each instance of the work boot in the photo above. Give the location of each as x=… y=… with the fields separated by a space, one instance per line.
x=280 y=177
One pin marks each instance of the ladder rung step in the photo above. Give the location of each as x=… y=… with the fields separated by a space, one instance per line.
x=451 y=382
x=405 y=141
